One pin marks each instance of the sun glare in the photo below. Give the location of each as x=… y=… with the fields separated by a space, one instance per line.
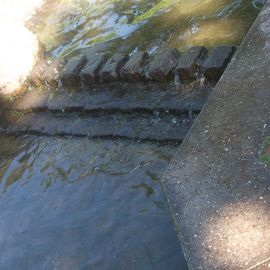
x=18 y=47
x=240 y=235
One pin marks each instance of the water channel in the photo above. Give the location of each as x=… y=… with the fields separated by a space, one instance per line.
x=81 y=204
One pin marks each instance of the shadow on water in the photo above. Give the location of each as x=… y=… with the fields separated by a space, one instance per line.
x=81 y=204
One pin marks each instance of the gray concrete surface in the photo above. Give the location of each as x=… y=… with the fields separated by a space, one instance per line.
x=218 y=183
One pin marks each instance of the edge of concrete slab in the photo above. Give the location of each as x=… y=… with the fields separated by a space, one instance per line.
x=218 y=183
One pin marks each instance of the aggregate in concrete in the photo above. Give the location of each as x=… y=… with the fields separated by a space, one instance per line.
x=218 y=184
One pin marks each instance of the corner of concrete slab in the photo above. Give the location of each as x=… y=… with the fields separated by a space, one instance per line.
x=218 y=183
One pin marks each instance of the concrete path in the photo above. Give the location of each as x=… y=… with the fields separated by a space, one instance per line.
x=218 y=184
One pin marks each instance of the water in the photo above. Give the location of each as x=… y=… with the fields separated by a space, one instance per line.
x=130 y=25
x=81 y=204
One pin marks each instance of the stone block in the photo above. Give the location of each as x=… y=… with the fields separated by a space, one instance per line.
x=217 y=61
x=133 y=70
x=36 y=75
x=188 y=65
x=95 y=62
x=111 y=70
x=51 y=74
x=163 y=66
x=70 y=73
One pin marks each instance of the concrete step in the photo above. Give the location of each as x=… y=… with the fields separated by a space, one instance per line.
x=156 y=127
x=89 y=68
x=146 y=112
x=125 y=98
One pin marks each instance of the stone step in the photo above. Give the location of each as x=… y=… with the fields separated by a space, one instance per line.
x=156 y=127
x=90 y=68
x=124 y=98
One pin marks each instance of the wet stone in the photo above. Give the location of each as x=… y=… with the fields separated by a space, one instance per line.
x=111 y=70
x=133 y=70
x=51 y=74
x=36 y=75
x=188 y=66
x=163 y=128
x=163 y=65
x=217 y=62
x=139 y=97
x=90 y=72
x=70 y=73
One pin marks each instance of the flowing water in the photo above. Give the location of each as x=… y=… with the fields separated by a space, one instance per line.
x=133 y=24
x=80 y=204
x=75 y=204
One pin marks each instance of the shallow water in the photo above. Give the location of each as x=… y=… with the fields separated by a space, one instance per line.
x=80 y=204
x=133 y=24
x=84 y=204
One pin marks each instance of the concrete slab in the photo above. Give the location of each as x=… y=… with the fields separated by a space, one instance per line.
x=218 y=184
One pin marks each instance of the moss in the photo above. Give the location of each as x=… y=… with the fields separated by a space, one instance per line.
x=265 y=155
x=161 y=5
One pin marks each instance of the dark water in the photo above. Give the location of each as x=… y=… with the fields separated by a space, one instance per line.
x=133 y=24
x=74 y=204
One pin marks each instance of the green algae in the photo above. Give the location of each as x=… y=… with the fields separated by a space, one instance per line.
x=160 y=6
x=75 y=25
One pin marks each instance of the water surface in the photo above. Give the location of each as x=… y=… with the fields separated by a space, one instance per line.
x=133 y=24
x=76 y=204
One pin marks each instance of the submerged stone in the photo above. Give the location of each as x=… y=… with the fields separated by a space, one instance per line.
x=111 y=70
x=134 y=69
x=51 y=74
x=95 y=62
x=163 y=65
x=217 y=61
x=70 y=73
x=188 y=66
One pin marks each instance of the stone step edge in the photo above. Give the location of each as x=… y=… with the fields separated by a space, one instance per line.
x=157 y=127
x=167 y=65
x=110 y=111
x=108 y=99
x=175 y=142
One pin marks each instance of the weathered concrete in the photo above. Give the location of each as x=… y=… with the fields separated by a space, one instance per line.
x=188 y=66
x=217 y=61
x=218 y=184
